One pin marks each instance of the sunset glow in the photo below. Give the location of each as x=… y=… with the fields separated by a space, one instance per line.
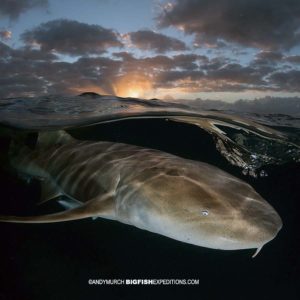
x=173 y=49
x=133 y=85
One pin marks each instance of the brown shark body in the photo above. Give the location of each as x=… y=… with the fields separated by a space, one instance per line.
x=189 y=201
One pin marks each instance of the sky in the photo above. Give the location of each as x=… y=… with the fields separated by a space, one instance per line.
x=179 y=49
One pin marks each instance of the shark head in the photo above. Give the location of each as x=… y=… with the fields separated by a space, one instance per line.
x=202 y=205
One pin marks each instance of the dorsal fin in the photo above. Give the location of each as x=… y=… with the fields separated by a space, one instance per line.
x=48 y=138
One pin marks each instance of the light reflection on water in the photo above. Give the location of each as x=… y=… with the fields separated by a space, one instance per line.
x=243 y=142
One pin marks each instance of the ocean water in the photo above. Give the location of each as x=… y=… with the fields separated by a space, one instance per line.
x=55 y=261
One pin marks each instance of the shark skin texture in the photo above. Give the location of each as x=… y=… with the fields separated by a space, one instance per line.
x=189 y=201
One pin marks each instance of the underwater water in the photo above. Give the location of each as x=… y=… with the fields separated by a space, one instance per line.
x=55 y=261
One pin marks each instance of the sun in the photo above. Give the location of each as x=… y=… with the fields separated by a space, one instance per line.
x=132 y=85
x=133 y=93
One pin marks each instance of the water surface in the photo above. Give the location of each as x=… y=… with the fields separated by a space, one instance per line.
x=55 y=261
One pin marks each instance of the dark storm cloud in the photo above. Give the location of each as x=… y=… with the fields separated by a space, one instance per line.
x=71 y=37
x=14 y=8
x=160 y=43
x=268 y=24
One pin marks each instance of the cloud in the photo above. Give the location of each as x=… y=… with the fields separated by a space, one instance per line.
x=269 y=55
x=179 y=79
x=294 y=59
x=287 y=81
x=19 y=85
x=160 y=43
x=14 y=8
x=28 y=71
x=161 y=62
x=268 y=24
x=5 y=34
x=236 y=73
x=189 y=61
x=4 y=50
x=123 y=74
x=26 y=53
x=215 y=63
x=231 y=78
x=71 y=37
x=267 y=60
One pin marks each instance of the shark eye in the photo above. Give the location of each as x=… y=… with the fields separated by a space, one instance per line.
x=204 y=213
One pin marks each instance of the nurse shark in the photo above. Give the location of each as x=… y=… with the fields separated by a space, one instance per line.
x=189 y=201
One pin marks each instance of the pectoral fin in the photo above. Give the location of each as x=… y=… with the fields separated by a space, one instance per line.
x=103 y=207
